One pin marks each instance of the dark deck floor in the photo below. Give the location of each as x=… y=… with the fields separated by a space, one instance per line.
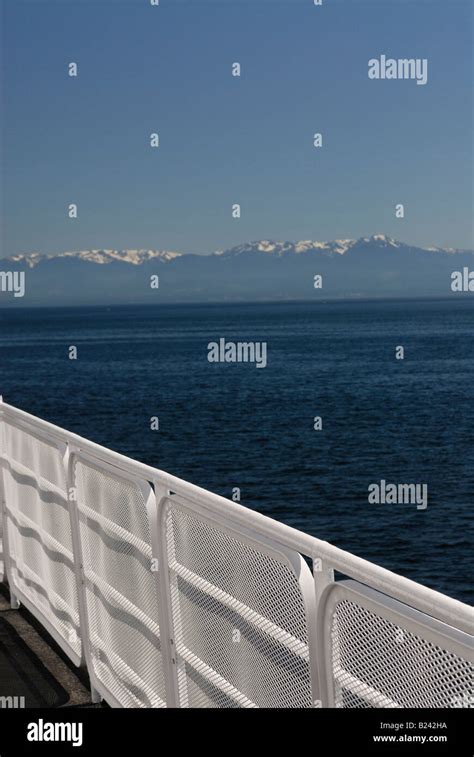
x=34 y=672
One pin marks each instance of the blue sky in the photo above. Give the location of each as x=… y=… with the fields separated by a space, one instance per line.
x=226 y=140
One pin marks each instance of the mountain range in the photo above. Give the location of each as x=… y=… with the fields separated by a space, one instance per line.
x=376 y=266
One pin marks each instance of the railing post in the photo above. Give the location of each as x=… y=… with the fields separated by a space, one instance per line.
x=168 y=643
x=79 y=570
x=323 y=575
x=14 y=602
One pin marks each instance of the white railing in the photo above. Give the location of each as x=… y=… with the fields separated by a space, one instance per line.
x=173 y=596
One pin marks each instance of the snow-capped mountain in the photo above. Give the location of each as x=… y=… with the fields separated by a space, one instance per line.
x=339 y=246
x=269 y=247
x=375 y=266
x=101 y=257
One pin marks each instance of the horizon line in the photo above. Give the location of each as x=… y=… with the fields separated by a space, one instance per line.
x=462 y=296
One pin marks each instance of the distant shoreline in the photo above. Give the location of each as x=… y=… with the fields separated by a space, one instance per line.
x=460 y=297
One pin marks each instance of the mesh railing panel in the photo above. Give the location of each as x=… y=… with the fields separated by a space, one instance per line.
x=377 y=663
x=239 y=619
x=233 y=599
x=120 y=588
x=39 y=530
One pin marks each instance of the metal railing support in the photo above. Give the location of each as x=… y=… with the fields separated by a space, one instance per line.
x=168 y=641
x=323 y=576
x=78 y=557
x=14 y=602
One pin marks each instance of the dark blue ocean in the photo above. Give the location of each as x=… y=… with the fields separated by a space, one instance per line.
x=234 y=425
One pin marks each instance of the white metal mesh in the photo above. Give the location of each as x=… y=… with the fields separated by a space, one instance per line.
x=239 y=619
x=237 y=610
x=376 y=663
x=39 y=530
x=120 y=587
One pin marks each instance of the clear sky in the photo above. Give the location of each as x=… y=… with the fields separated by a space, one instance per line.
x=226 y=140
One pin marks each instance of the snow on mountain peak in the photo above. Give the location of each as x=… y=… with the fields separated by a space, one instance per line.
x=100 y=257
x=269 y=247
x=279 y=248
x=382 y=238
